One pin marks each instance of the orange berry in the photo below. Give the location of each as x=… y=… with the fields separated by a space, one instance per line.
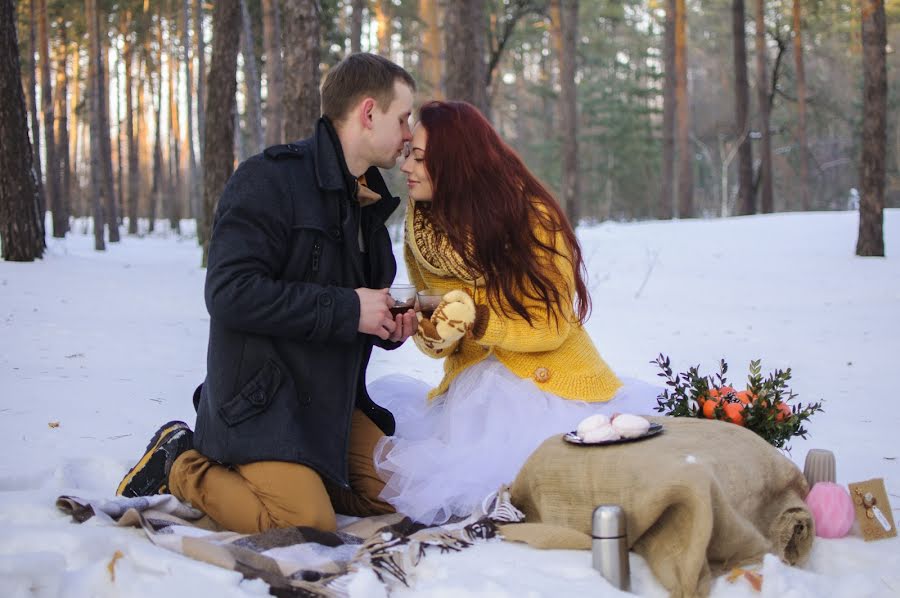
x=745 y=397
x=784 y=412
x=734 y=413
x=709 y=409
x=718 y=393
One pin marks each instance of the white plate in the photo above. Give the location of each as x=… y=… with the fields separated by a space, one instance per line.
x=573 y=438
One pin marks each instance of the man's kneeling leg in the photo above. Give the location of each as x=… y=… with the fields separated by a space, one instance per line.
x=254 y=497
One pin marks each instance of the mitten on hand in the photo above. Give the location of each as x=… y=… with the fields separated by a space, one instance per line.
x=453 y=317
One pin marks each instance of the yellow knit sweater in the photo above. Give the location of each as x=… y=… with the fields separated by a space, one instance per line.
x=560 y=359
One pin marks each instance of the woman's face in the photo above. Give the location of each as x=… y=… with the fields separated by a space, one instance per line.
x=417 y=179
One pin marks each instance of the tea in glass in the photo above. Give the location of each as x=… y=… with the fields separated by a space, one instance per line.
x=429 y=299
x=404 y=298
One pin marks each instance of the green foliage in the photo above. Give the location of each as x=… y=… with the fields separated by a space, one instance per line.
x=765 y=406
x=618 y=85
x=335 y=41
x=620 y=117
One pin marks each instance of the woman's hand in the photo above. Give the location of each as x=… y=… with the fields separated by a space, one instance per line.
x=451 y=320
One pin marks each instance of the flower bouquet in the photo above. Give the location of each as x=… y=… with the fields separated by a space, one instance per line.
x=765 y=406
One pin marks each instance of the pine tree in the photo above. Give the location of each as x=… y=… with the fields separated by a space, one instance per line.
x=21 y=235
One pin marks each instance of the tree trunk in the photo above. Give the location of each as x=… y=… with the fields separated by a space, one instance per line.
x=766 y=202
x=61 y=134
x=193 y=200
x=274 y=72
x=252 y=86
x=429 y=12
x=21 y=234
x=99 y=198
x=219 y=150
x=117 y=117
x=75 y=125
x=239 y=149
x=383 y=19
x=159 y=181
x=356 y=21
x=548 y=117
x=145 y=108
x=143 y=151
x=664 y=209
x=51 y=171
x=464 y=28
x=301 y=68
x=157 y=169
x=800 y=77
x=200 y=214
x=31 y=91
x=201 y=78
x=683 y=111
x=175 y=202
x=134 y=175
x=745 y=203
x=566 y=11
x=874 y=134
x=102 y=136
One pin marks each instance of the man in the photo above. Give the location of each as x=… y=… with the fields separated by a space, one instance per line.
x=298 y=264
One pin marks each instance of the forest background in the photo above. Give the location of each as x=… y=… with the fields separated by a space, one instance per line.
x=137 y=111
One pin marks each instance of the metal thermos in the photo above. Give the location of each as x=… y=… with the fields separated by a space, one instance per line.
x=610 y=546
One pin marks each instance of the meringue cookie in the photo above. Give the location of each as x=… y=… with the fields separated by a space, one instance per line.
x=600 y=434
x=591 y=423
x=630 y=426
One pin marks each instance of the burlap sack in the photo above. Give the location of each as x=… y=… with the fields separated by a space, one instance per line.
x=700 y=498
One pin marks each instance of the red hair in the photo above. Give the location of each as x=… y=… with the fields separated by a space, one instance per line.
x=488 y=204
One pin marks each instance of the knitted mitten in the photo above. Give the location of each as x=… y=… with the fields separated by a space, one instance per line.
x=453 y=317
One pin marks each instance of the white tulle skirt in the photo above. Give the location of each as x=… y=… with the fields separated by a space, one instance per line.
x=448 y=455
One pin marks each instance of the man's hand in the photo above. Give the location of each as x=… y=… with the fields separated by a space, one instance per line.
x=407 y=323
x=374 y=313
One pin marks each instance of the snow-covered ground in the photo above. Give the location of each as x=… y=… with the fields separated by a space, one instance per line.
x=110 y=345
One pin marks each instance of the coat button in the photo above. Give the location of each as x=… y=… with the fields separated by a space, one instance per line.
x=542 y=374
x=335 y=232
x=325 y=300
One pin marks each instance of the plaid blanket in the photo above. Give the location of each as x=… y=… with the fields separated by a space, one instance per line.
x=299 y=561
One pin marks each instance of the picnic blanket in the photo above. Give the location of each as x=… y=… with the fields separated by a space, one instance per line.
x=298 y=561
x=699 y=499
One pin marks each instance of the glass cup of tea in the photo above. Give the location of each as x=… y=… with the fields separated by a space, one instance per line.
x=403 y=298
x=429 y=299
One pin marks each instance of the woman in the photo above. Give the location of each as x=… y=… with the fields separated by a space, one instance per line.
x=519 y=367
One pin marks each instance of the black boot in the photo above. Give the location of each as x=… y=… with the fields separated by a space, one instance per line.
x=151 y=474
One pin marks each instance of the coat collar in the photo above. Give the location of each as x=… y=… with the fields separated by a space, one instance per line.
x=332 y=173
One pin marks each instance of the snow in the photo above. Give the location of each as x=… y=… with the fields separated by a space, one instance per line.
x=110 y=345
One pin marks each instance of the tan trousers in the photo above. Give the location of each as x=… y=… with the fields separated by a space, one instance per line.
x=270 y=494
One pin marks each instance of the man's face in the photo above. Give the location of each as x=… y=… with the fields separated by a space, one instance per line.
x=390 y=129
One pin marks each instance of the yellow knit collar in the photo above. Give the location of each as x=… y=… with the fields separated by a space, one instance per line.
x=431 y=247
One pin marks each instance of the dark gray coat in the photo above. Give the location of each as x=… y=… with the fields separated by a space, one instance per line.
x=286 y=365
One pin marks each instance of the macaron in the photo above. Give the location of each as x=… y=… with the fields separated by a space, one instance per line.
x=591 y=422
x=630 y=426
x=600 y=434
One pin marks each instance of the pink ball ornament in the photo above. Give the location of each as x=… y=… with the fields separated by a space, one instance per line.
x=832 y=509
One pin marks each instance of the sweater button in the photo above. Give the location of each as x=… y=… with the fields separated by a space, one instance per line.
x=542 y=374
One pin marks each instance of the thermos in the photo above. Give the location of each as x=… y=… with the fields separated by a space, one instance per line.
x=610 y=546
